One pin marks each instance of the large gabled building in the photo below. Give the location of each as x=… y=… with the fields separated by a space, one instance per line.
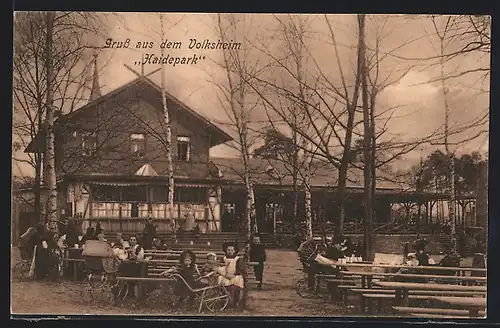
x=111 y=167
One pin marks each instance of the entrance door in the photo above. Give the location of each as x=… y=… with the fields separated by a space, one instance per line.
x=228 y=218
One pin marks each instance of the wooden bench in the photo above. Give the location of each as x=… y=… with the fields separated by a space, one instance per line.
x=368 y=296
x=437 y=316
x=376 y=297
x=416 y=311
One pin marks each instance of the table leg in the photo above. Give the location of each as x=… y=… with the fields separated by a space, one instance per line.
x=369 y=304
x=474 y=312
x=406 y=299
x=363 y=281
x=75 y=271
x=399 y=297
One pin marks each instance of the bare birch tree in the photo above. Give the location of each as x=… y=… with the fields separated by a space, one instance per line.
x=168 y=136
x=50 y=154
x=236 y=99
x=447 y=112
x=73 y=34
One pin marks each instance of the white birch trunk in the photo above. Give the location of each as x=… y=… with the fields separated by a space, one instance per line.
x=168 y=141
x=307 y=190
x=50 y=151
x=451 y=175
x=451 y=179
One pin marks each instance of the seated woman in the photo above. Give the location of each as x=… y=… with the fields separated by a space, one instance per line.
x=89 y=235
x=188 y=270
x=130 y=267
x=232 y=274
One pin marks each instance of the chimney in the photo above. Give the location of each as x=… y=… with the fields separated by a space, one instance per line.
x=96 y=88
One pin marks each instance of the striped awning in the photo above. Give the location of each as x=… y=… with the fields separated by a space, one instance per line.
x=142 y=183
x=118 y=184
x=194 y=185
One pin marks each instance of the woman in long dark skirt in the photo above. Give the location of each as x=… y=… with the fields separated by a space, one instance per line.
x=45 y=261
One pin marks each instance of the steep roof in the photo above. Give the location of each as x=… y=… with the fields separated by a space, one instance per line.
x=218 y=136
x=274 y=172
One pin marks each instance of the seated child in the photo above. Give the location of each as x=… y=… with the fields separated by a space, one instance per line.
x=208 y=272
x=188 y=270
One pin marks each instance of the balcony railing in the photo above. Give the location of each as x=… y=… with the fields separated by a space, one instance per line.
x=358 y=228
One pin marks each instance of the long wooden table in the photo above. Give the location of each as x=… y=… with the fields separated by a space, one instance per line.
x=366 y=277
x=369 y=266
x=473 y=304
x=402 y=289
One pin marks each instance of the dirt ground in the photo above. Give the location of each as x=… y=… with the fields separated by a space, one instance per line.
x=277 y=299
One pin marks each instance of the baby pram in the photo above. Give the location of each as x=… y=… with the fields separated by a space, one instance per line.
x=101 y=268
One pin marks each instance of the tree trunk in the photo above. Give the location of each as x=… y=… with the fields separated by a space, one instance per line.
x=344 y=162
x=250 y=211
x=308 y=233
x=168 y=142
x=373 y=152
x=295 y=192
x=482 y=196
x=50 y=151
x=36 y=188
x=451 y=175
x=368 y=210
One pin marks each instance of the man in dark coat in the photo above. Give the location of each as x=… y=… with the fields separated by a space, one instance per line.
x=148 y=234
x=257 y=257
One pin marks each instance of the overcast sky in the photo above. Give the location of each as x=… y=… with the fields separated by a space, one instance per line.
x=419 y=105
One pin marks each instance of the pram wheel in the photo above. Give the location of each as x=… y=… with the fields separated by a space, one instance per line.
x=21 y=270
x=216 y=299
x=87 y=291
x=303 y=290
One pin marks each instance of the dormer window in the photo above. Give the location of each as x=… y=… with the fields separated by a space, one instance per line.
x=138 y=144
x=89 y=143
x=183 y=149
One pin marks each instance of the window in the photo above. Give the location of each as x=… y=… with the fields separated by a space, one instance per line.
x=190 y=195
x=106 y=193
x=89 y=143
x=138 y=144
x=159 y=194
x=183 y=148
x=134 y=194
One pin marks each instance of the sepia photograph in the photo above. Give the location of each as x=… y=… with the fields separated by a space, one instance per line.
x=209 y=164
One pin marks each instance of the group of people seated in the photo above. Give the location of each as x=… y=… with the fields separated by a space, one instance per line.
x=229 y=271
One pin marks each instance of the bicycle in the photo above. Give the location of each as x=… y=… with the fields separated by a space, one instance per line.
x=303 y=288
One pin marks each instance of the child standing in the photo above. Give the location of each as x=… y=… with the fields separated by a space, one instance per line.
x=258 y=258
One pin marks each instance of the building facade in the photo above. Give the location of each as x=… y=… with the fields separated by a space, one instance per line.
x=112 y=167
